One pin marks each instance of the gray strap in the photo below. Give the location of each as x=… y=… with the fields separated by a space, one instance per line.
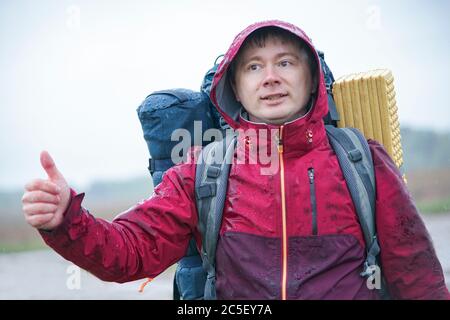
x=211 y=183
x=357 y=168
x=355 y=160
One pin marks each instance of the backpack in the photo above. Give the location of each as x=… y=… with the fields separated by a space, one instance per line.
x=195 y=273
x=156 y=114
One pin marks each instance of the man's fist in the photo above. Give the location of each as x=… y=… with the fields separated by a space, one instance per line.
x=45 y=201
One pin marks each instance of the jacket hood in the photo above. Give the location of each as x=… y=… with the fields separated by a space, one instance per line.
x=222 y=94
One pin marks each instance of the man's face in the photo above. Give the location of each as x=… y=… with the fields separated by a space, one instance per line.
x=273 y=83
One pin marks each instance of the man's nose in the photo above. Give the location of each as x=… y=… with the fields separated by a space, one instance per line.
x=271 y=77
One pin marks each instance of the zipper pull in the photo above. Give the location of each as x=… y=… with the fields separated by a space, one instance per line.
x=280 y=140
x=311 y=175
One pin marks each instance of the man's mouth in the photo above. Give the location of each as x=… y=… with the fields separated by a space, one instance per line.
x=275 y=96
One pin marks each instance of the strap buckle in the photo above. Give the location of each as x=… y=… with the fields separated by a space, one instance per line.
x=206 y=190
x=355 y=155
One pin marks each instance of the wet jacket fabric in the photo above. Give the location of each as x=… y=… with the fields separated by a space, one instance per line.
x=280 y=238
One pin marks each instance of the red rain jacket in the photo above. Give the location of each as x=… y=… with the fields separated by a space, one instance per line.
x=267 y=247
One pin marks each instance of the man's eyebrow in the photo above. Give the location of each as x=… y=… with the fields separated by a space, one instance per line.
x=277 y=56
x=282 y=54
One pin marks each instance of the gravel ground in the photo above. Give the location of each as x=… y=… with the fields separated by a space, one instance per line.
x=45 y=275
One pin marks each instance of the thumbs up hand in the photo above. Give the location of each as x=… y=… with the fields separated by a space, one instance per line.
x=45 y=200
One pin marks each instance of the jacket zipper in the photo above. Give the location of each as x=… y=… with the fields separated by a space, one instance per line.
x=312 y=191
x=283 y=216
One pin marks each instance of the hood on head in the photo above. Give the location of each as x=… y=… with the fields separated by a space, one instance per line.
x=222 y=94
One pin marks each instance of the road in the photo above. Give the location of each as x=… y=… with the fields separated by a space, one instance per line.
x=45 y=275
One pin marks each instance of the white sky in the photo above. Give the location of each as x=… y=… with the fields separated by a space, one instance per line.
x=72 y=73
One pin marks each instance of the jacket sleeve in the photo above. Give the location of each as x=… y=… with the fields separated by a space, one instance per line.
x=408 y=259
x=141 y=242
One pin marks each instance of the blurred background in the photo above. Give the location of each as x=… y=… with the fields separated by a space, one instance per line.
x=74 y=72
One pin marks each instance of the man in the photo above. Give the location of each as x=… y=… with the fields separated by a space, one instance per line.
x=289 y=234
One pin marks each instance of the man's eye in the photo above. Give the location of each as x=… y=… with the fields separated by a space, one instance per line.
x=253 y=67
x=285 y=63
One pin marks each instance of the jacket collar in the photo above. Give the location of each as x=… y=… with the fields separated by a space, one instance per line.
x=299 y=136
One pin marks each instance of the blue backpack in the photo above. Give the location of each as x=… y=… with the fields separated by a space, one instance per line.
x=195 y=273
x=160 y=114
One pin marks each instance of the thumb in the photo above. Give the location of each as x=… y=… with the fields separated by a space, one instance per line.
x=49 y=166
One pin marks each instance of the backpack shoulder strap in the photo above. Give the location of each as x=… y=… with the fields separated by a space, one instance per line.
x=211 y=181
x=355 y=160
